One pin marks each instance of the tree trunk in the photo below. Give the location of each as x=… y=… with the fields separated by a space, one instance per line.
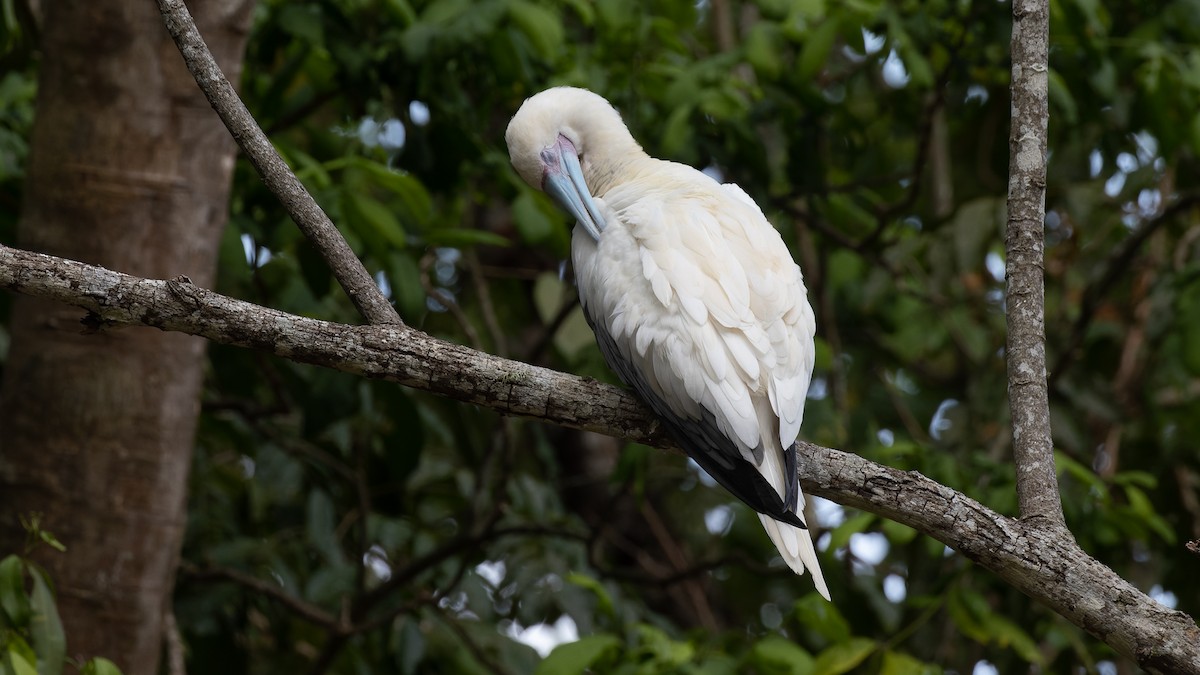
x=129 y=169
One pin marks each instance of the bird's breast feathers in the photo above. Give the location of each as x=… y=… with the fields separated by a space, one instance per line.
x=699 y=292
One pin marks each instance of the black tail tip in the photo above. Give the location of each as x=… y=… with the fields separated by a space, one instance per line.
x=786 y=516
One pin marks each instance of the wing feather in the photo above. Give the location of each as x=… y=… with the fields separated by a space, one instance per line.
x=715 y=333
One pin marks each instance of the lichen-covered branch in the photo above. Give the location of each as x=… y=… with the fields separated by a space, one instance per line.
x=1045 y=563
x=1024 y=243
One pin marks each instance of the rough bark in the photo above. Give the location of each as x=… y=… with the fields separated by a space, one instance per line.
x=1033 y=446
x=1045 y=563
x=128 y=168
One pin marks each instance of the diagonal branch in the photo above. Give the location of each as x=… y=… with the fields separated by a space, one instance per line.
x=1044 y=563
x=293 y=603
x=1024 y=243
x=274 y=172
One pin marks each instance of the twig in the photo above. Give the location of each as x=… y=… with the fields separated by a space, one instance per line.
x=297 y=606
x=443 y=298
x=486 y=307
x=490 y=664
x=292 y=444
x=907 y=418
x=693 y=592
x=1024 y=242
x=275 y=173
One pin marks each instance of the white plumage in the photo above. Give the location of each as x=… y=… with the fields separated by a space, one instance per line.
x=693 y=296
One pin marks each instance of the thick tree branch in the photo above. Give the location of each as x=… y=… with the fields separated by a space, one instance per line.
x=1044 y=563
x=275 y=173
x=1024 y=242
x=395 y=353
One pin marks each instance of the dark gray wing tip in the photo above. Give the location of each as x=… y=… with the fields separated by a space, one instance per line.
x=704 y=442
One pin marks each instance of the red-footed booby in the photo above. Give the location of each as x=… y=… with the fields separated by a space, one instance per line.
x=693 y=296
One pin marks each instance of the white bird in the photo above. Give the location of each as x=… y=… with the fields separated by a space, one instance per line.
x=694 y=298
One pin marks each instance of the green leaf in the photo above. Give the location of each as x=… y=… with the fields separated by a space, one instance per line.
x=1138 y=501
x=585 y=10
x=817 y=45
x=917 y=66
x=577 y=657
x=775 y=654
x=14 y=663
x=322 y=524
x=843 y=656
x=1142 y=508
x=302 y=21
x=897 y=533
x=897 y=663
x=1139 y=478
x=100 y=666
x=845 y=214
x=677 y=131
x=976 y=225
x=541 y=26
x=417 y=203
x=45 y=628
x=1194 y=135
x=465 y=238
x=1060 y=95
x=966 y=608
x=1066 y=465
x=14 y=602
x=52 y=541
x=851 y=526
x=405 y=277
x=723 y=104
x=603 y=599
x=402 y=11
x=763 y=49
x=531 y=221
x=822 y=617
x=16 y=645
x=656 y=646
x=311 y=172
x=411 y=645
x=1008 y=634
x=369 y=215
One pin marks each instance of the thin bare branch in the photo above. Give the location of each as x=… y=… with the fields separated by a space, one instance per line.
x=445 y=299
x=274 y=172
x=294 y=604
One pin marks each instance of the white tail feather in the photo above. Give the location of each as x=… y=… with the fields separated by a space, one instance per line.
x=796 y=547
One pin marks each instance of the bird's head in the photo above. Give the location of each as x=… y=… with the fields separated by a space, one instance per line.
x=571 y=144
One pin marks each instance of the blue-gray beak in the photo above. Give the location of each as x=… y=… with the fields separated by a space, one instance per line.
x=562 y=179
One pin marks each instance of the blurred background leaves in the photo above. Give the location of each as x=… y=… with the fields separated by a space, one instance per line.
x=428 y=536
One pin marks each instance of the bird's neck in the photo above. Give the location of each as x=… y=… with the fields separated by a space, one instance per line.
x=606 y=170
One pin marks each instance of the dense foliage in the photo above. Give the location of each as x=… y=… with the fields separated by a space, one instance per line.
x=342 y=525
